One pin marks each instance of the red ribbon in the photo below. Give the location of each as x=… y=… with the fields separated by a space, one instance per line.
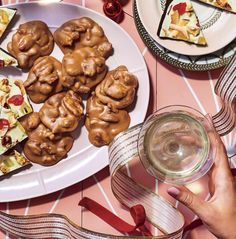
x=138 y=214
x=194 y=224
x=233 y=170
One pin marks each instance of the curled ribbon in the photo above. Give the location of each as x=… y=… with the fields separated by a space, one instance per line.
x=160 y=212
x=137 y=212
x=224 y=120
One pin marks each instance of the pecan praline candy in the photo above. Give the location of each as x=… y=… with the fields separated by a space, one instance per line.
x=31 y=40
x=61 y=112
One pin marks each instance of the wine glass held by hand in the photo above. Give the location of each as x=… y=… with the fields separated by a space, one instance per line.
x=219 y=213
x=174 y=145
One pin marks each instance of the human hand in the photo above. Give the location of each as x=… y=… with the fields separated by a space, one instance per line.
x=219 y=212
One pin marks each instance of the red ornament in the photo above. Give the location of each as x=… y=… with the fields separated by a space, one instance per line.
x=4 y=123
x=16 y=100
x=181 y=8
x=113 y=10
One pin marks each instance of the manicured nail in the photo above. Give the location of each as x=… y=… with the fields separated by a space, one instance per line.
x=174 y=192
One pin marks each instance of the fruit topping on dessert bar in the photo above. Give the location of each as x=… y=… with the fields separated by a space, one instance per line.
x=229 y=5
x=12 y=161
x=6 y=15
x=11 y=131
x=13 y=105
x=179 y=22
x=6 y=59
x=13 y=96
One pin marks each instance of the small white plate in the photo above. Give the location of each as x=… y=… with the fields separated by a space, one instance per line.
x=83 y=159
x=217 y=26
x=206 y=62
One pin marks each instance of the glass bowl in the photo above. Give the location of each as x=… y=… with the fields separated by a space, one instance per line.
x=174 y=144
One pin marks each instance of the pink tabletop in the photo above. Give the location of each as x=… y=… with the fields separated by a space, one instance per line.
x=169 y=85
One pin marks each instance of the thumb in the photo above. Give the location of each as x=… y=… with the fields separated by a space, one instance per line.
x=189 y=199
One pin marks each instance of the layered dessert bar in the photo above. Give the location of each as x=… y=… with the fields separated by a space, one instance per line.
x=12 y=161
x=179 y=22
x=13 y=96
x=6 y=15
x=229 y=5
x=6 y=59
x=11 y=131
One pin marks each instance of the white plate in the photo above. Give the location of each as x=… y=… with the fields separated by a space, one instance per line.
x=83 y=159
x=217 y=26
x=206 y=62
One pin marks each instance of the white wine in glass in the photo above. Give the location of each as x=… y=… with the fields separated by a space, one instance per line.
x=174 y=145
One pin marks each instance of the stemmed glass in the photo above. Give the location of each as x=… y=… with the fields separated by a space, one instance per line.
x=174 y=144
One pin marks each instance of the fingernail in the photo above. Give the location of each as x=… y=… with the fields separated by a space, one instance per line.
x=174 y=192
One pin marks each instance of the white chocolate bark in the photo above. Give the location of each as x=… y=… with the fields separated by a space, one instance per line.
x=229 y=5
x=6 y=59
x=14 y=88
x=6 y=15
x=181 y=23
x=11 y=162
x=11 y=131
